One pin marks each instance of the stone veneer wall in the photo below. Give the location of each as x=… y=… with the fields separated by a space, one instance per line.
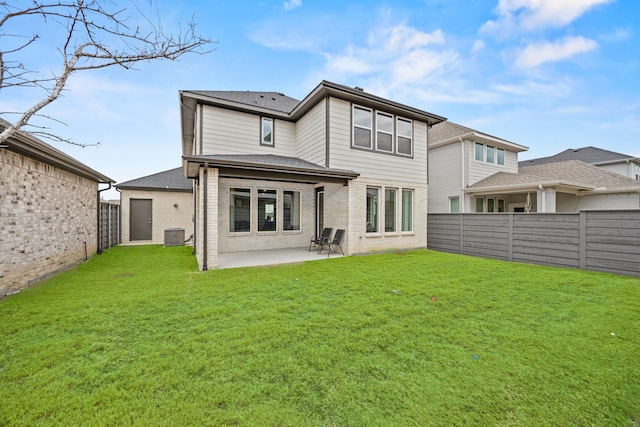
x=47 y=220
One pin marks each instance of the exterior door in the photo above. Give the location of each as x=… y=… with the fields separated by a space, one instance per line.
x=140 y=224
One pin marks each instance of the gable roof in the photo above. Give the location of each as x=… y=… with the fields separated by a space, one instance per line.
x=448 y=132
x=170 y=180
x=275 y=101
x=266 y=165
x=572 y=176
x=280 y=106
x=593 y=155
x=26 y=144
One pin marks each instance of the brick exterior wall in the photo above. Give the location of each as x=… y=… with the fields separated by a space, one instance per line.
x=47 y=216
x=164 y=213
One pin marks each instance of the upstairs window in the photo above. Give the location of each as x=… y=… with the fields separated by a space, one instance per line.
x=479 y=152
x=490 y=154
x=384 y=132
x=500 y=157
x=266 y=134
x=405 y=137
x=454 y=204
x=362 y=127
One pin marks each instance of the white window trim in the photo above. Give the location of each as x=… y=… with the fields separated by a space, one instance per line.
x=393 y=145
x=403 y=119
x=262 y=121
x=354 y=126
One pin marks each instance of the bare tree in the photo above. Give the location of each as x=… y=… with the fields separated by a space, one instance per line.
x=93 y=34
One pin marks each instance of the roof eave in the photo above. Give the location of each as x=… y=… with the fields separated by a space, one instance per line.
x=528 y=186
x=480 y=137
x=32 y=147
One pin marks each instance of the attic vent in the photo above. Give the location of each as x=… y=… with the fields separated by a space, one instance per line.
x=359 y=88
x=273 y=98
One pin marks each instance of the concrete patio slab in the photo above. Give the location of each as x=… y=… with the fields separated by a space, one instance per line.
x=272 y=256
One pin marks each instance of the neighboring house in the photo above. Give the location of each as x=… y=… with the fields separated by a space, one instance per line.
x=460 y=157
x=271 y=171
x=568 y=186
x=622 y=164
x=155 y=203
x=48 y=211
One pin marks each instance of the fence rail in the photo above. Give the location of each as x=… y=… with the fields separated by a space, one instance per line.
x=606 y=241
x=109 y=225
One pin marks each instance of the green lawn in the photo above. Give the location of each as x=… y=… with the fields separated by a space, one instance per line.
x=137 y=336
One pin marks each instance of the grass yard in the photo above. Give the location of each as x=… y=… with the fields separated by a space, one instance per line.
x=138 y=336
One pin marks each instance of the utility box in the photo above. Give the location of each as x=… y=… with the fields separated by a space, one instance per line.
x=174 y=237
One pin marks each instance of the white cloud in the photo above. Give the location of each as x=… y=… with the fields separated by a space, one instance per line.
x=528 y=15
x=537 y=54
x=620 y=34
x=292 y=4
x=396 y=55
x=478 y=45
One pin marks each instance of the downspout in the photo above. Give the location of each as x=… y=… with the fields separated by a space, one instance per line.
x=195 y=186
x=204 y=219
x=99 y=248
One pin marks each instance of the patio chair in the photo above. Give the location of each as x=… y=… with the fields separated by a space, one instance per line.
x=317 y=240
x=337 y=238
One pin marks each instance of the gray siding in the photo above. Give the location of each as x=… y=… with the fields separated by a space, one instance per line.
x=445 y=176
x=593 y=240
x=232 y=132
x=372 y=164
x=311 y=135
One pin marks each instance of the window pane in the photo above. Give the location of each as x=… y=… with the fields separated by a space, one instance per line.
x=362 y=117
x=291 y=210
x=389 y=210
x=479 y=204
x=266 y=210
x=501 y=205
x=490 y=151
x=500 y=153
x=372 y=210
x=404 y=146
x=267 y=131
x=405 y=137
x=239 y=210
x=384 y=122
x=479 y=151
x=384 y=142
x=362 y=137
x=491 y=205
x=407 y=210
x=454 y=205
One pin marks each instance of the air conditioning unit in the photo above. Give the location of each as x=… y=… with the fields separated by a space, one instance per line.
x=174 y=237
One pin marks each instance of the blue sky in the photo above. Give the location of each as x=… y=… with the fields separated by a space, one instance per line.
x=546 y=74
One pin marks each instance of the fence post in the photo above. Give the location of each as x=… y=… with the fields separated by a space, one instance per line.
x=461 y=231
x=583 y=240
x=510 y=238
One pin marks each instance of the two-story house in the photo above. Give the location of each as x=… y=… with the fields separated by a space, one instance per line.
x=271 y=171
x=471 y=171
x=460 y=157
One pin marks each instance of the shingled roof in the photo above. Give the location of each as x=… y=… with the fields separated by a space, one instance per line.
x=275 y=101
x=573 y=173
x=170 y=180
x=446 y=132
x=589 y=154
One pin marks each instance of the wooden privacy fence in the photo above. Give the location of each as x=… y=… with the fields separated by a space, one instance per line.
x=606 y=241
x=109 y=225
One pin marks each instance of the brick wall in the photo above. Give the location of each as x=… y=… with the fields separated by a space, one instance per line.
x=47 y=218
x=164 y=213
